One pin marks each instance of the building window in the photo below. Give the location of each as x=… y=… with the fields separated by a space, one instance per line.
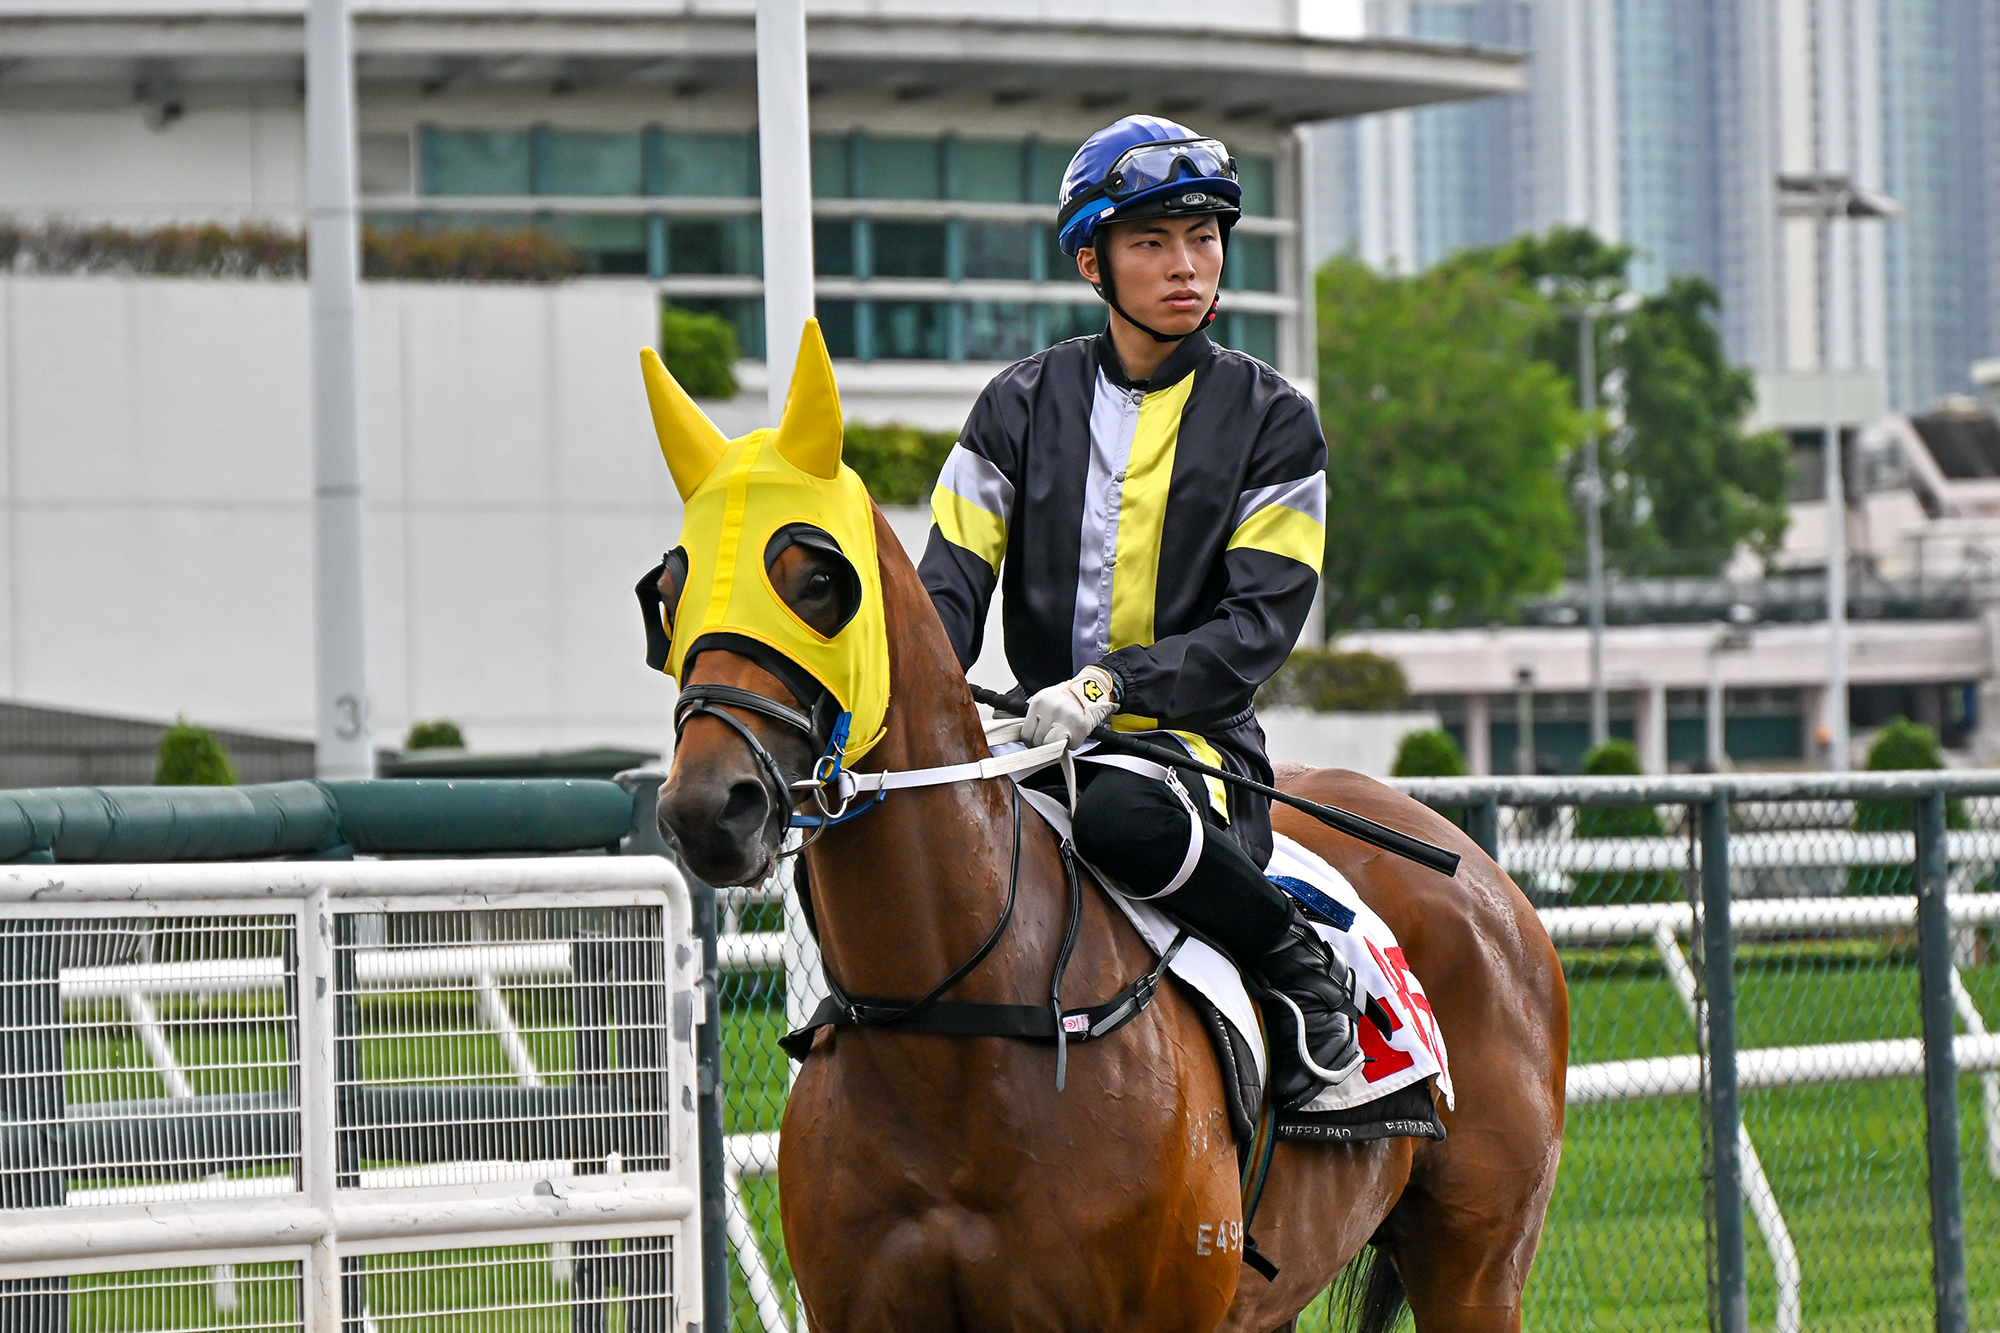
x=583 y=162
x=908 y=330
x=896 y=168
x=1252 y=264
x=999 y=250
x=998 y=330
x=833 y=247
x=727 y=245
x=1256 y=176
x=610 y=244
x=1060 y=323
x=1046 y=164
x=745 y=314
x=907 y=249
x=462 y=162
x=1255 y=334
x=987 y=170
x=832 y=167
x=836 y=325
x=718 y=165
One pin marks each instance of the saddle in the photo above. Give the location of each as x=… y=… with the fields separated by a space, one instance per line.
x=1390 y=1095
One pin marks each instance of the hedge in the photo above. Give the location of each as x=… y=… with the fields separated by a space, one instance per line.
x=1620 y=759
x=899 y=463
x=701 y=350
x=190 y=756
x=1328 y=681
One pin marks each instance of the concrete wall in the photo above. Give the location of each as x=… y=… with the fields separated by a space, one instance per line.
x=157 y=521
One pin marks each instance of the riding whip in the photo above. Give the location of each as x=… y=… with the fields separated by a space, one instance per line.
x=1410 y=848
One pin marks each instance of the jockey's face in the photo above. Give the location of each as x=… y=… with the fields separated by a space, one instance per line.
x=1164 y=270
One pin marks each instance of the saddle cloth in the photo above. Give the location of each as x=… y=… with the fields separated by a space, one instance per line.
x=1411 y=1050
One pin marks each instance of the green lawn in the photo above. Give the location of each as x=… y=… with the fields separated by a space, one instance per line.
x=1626 y=1237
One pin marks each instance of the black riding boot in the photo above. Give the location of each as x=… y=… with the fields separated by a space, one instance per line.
x=1306 y=1005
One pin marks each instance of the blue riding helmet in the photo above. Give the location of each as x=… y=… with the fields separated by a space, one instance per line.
x=1142 y=167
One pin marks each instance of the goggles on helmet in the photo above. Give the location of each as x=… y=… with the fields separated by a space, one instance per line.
x=1150 y=164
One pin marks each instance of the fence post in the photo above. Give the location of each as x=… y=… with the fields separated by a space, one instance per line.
x=1482 y=825
x=1940 y=1064
x=645 y=840
x=1731 y=1304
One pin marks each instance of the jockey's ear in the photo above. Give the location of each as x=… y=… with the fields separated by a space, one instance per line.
x=691 y=442
x=809 y=436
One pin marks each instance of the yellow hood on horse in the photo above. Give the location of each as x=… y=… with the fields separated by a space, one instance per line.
x=738 y=494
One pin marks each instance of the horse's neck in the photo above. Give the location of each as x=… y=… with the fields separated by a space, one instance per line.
x=907 y=892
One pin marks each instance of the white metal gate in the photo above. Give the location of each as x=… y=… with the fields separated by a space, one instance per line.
x=341 y=1097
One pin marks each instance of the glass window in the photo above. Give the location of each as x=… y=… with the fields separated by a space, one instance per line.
x=989 y=170
x=1061 y=267
x=1252 y=264
x=715 y=245
x=1255 y=334
x=999 y=250
x=1063 y=322
x=744 y=313
x=1260 y=196
x=908 y=249
x=898 y=168
x=587 y=162
x=836 y=325
x=474 y=161
x=717 y=165
x=832 y=178
x=1046 y=164
x=611 y=244
x=998 y=330
x=833 y=248
x=910 y=330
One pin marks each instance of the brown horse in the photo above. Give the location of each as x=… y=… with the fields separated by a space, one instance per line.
x=935 y=1183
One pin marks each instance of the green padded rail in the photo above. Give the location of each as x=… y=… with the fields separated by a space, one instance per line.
x=449 y=816
x=436 y=817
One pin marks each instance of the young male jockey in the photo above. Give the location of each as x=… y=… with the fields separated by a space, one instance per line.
x=1154 y=505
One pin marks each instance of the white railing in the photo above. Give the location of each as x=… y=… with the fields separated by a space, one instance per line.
x=455 y=1162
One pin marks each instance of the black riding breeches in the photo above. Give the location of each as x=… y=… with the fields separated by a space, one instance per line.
x=1136 y=830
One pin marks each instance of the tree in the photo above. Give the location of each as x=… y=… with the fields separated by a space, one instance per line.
x=1619 y=758
x=1444 y=435
x=1328 y=681
x=190 y=756
x=1901 y=745
x=1684 y=485
x=700 y=349
x=442 y=734
x=1429 y=754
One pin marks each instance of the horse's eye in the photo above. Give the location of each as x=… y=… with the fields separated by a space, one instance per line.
x=820 y=585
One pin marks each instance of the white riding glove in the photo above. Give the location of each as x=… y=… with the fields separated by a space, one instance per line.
x=1072 y=709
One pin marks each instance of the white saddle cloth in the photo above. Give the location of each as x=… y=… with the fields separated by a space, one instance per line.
x=1412 y=1052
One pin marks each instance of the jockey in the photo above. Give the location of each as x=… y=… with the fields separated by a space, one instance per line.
x=1155 y=505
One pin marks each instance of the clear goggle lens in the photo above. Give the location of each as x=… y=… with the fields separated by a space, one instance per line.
x=1153 y=164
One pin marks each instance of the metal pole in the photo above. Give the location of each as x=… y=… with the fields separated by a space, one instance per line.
x=1715 y=716
x=316 y=994
x=1940 y=1065
x=1731 y=1311
x=1836 y=510
x=645 y=840
x=1593 y=521
x=1482 y=825
x=1524 y=726
x=341 y=702
x=784 y=145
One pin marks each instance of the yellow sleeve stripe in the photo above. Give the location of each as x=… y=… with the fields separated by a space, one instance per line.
x=1283 y=531
x=968 y=527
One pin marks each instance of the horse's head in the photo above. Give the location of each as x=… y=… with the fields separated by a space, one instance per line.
x=770 y=615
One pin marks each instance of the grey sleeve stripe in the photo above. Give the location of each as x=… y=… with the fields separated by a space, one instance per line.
x=1307 y=495
x=976 y=481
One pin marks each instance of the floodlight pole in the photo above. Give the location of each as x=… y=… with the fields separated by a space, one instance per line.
x=784 y=145
x=345 y=743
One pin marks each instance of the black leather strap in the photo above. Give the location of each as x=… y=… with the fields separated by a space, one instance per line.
x=702 y=698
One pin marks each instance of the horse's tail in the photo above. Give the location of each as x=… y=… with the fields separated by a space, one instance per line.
x=1370 y=1292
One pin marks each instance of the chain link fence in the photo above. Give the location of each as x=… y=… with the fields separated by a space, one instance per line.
x=1792 y=1032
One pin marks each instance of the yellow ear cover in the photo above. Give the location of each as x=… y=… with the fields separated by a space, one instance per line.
x=690 y=441
x=809 y=435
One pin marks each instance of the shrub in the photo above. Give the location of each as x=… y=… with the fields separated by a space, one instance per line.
x=442 y=734
x=1618 y=758
x=701 y=350
x=1901 y=745
x=252 y=250
x=899 y=463
x=1429 y=754
x=190 y=756
x=1327 y=681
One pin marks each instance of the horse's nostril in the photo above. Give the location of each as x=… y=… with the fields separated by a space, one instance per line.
x=747 y=807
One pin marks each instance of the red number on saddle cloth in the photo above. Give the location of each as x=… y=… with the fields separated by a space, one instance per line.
x=1416 y=1005
x=1383 y=1059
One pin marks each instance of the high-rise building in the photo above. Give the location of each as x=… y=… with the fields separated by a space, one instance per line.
x=1665 y=124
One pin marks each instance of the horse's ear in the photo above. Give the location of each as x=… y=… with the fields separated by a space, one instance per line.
x=809 y=436
x=691 y=442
